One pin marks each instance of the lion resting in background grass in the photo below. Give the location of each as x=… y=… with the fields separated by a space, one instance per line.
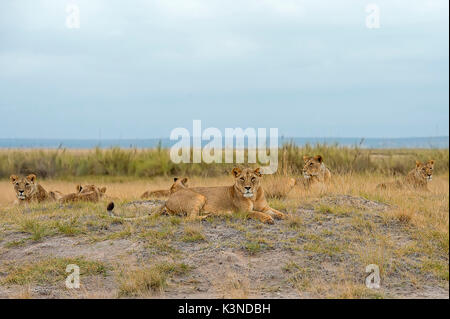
x=156 y=194
x=163 y=193
x=87 y=193
x=246 y=195
x=28 y=190
x=315 y=171
x=417 y=178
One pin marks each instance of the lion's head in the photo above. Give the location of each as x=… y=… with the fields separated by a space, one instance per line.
x=91 y=189
x=24 y=187
x=247 y=181
x=313 y=166
x=178 y=183
x=424 y=171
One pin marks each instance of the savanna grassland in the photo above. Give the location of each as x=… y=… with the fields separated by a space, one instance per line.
x=321 y=251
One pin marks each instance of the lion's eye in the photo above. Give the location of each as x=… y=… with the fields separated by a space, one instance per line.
x=242 y=179
x=17 y=184
x=27 y=184
x=310 y=164
x=253 y=179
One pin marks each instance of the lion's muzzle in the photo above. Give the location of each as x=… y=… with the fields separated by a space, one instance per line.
x=248 y=192
x=21 y=195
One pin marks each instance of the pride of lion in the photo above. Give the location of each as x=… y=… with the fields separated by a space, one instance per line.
x=28 y=190
x=247 y=194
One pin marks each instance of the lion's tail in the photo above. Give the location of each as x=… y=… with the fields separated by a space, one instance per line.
x=110 y=211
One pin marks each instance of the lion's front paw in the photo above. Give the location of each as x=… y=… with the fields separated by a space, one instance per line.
x=277 y=215
x=268 y=220
x=281 y=216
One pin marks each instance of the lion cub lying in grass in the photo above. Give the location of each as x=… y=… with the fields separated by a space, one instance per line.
x=417 y=178
x=87 y=193
x=28 y=190
x=245 y=195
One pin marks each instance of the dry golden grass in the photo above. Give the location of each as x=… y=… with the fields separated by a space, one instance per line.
x=146 y=280
x=233 y=286
x=428 y=211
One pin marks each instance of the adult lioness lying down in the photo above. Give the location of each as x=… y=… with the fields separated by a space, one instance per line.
x=87 y=193
x=28 y=190
x=245 y=195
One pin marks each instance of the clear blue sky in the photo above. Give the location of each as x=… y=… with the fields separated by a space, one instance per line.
x=138 y=69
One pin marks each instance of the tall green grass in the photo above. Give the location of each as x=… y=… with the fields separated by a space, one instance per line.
x=156 y=162
x=341 y=159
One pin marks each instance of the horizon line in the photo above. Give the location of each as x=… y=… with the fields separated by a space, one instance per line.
x=168 y=138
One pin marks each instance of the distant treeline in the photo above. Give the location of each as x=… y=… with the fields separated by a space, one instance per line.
x=63 y=163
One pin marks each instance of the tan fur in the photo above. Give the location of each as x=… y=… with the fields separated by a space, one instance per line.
x=184 y=201
x=28 y=190
x=162 y=193
x=278 y=186
x=246 y=195
x=417 y=178
x=87 y=193
x=315 y=171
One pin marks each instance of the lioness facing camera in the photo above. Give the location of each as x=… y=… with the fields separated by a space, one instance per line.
x=245 y=195
x=28 y=190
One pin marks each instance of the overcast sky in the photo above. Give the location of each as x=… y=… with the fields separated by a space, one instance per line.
x=138 y=69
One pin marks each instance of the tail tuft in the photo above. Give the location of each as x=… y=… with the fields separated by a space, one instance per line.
x=110 y=207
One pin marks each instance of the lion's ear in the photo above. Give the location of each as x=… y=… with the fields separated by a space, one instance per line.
x=13 y=178
x=31 y=178
x=184 y=181
x=418 y=163
x=431 y=162
x=103 y=190
x=306 y=158
x=319 y=158
x=258 y=172
x=236 y=171
x=79 y=188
